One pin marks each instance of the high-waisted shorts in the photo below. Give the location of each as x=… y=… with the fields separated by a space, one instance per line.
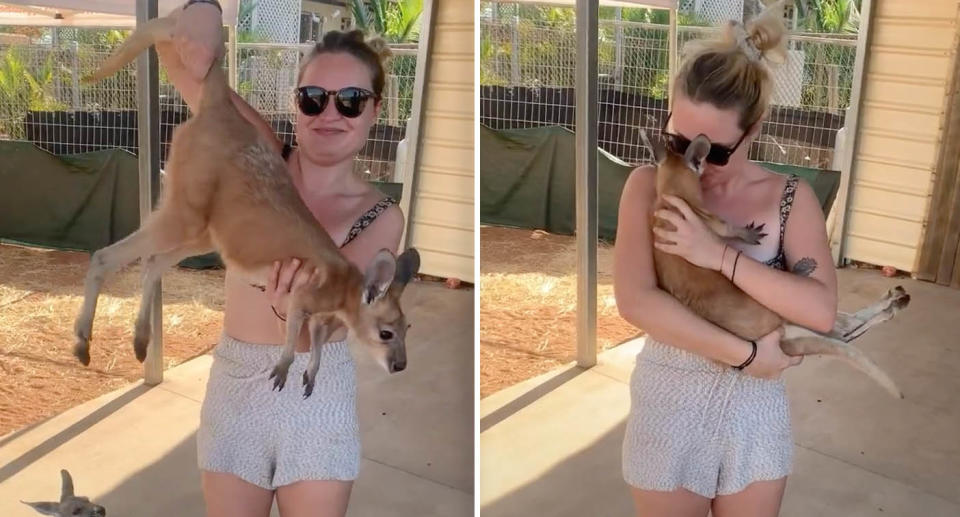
x=274 y=438
x=700 y=425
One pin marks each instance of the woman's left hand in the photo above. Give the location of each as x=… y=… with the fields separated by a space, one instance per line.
x=691 y=240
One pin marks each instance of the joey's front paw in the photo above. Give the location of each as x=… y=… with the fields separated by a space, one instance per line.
x=751 y=234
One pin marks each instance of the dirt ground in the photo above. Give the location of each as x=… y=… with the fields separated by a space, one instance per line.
x=528 y=297
x=40 y=294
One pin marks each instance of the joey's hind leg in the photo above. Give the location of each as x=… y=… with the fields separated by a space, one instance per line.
x=851 y=326
x=295 y=317
x=104 y=261
x=321 y=328
x=154 y=267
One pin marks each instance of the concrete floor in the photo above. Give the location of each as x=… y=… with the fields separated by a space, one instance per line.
x=551 y=446
x=134 y=450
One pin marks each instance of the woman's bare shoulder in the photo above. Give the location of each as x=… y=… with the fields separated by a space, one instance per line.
x=641 y=185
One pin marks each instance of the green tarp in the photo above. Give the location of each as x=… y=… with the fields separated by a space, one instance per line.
x=81 y=201
x=527 y=180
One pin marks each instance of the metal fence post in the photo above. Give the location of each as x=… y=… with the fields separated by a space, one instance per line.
x=148 y=153
x=586 y=183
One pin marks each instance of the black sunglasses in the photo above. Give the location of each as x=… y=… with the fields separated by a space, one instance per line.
x=718 y=154
x=349 y=101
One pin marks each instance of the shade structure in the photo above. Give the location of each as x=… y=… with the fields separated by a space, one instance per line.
x=90 y=13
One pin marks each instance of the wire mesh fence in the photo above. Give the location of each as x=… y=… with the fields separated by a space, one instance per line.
x=528 y=60
x=43 y=100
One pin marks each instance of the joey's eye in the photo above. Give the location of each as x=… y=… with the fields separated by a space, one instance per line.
x=386 y=335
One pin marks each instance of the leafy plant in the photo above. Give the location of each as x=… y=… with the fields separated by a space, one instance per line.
x=397 y=21
x=22 y=90
x=830 y=16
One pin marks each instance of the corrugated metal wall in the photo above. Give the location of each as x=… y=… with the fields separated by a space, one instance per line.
x=907 y=72
x=442 y=218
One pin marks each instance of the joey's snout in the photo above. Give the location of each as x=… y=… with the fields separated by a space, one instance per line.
x=398 y=365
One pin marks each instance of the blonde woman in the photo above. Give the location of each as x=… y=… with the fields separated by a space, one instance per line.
x=256 y=444
x=709 y=426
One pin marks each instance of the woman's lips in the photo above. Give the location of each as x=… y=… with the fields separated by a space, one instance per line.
x=327 y=131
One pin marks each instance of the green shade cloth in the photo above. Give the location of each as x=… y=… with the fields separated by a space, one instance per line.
x=528 y=180
x=79 y=201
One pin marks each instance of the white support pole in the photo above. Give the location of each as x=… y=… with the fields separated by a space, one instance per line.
x=586 y=180
x=412 y=154
x=618 y=49
x=672 y=45
x=851 y=123
x=232 y=55
x=148 y=153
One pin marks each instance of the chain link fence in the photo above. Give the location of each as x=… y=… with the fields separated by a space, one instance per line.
x=43 y=101
x=528 y=61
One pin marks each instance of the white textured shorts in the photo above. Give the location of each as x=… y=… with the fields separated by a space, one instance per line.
x=703 y=426
x=275 y=438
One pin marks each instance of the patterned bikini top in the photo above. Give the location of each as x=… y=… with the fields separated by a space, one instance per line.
x=364 y=220
x=786 y=205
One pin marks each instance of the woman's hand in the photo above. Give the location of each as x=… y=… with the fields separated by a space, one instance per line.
x=770 y=361
x=691 y=240
x=197 y=39
x=286 y=277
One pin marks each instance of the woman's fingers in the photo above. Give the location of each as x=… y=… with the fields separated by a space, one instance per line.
x=680 y=205
x=670 y=216
x=303 y=277
x=273 y=283
x=287 y=273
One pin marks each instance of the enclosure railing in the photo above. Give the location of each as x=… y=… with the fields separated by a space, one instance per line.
x=527 y=66
x=43 y=100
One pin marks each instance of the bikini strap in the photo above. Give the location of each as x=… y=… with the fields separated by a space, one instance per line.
x=786 y=204
x=368 y=217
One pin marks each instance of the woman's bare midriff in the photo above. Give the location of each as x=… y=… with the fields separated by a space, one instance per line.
x=248 y=315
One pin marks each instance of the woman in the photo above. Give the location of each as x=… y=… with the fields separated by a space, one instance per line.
x=709 y=426
x=255 y=443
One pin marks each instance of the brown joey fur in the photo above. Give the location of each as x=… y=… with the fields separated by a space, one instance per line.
x=713 y=297
x=227 y=189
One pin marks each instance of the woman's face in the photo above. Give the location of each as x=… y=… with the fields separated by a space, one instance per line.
x=330 y=138
x=721 y=126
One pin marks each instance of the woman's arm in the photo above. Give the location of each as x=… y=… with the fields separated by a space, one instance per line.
x=811 y=281
x=645 y=305
x=384 y=232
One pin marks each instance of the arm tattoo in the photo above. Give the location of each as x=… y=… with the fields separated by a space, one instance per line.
x=805 y=266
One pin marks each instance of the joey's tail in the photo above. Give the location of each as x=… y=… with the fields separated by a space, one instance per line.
x=157 y=29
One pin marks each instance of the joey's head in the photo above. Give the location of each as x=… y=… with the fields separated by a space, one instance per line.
x=380 y=325
x=679 y=173
x=69 y=505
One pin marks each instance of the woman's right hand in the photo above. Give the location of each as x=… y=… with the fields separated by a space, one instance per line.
x=770 y=361
x=286 y=277
x=197 y=40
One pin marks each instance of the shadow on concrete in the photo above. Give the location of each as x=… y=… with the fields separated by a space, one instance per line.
x=587 y=482
x=64 y=436
x=529 y=397
x=169 y=486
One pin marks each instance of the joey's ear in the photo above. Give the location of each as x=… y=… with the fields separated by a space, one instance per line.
x=697 y=152
x=379 y=275
x=66 y=486
x=46 y=507
x=656 y=147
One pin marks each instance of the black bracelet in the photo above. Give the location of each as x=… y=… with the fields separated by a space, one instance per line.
x=211 y=2
x=277 y=313
x=734 y=273
x=749 y=360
